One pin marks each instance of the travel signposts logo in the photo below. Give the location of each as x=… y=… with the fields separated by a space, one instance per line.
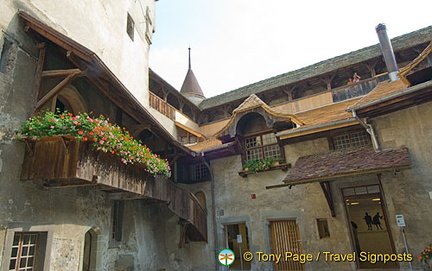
x=226 y=257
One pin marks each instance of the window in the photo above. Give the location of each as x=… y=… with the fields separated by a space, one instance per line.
x=262 y=146
x=323 y=229
x=117 y=221
x=200 y=172
x=192 y=173
x=356 y=139
x=28 y=251
x=130 y=25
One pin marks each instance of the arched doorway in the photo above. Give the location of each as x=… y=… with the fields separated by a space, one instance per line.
x=201 y=199
x=90 y=249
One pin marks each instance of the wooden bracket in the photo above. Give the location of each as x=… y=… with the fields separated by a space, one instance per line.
x=325 y=186
x=56 y=89
x=30 y=144
x=66 y=143
x=184 y=224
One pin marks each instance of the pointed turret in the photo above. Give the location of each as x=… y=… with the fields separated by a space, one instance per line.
x=190 y=88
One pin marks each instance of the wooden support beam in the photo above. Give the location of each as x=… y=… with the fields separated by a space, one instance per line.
x=60 y=73
x=38 y=75
x=328 y=80
x=56 y=89
x=325 y=186
x=289 y=91
x=125 y=196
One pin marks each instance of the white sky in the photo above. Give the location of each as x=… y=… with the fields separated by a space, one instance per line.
x=239 y=42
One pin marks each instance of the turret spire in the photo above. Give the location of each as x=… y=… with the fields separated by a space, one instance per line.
x=190 y=88
x=190 y=58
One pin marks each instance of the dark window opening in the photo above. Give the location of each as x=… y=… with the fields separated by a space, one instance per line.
x=323 y=229
x=117 y=221
x=130 y=26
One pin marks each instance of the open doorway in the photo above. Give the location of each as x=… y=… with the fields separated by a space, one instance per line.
x=238 y=245
x=90 y=249
x=368 y=224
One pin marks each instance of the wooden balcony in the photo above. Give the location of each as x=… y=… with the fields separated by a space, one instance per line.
x=162 y=106
x=62 y=162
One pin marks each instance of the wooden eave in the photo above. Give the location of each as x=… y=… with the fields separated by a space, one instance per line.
x=305 y=131
x=224 y=150
x=405 y=70
x=189 y=130
x=236 y=113
x=100 y=75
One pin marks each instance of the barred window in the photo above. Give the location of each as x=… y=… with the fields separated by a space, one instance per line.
x=262 y=146
x=200 y=172
x=356 y=139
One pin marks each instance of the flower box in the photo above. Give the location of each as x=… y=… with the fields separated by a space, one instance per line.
x=283 y=166
x=63 y=162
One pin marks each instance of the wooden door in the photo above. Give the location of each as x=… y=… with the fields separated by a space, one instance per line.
x=285 y=237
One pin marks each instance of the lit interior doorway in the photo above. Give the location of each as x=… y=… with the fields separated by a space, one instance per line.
x=232 y=231
x=368 y=223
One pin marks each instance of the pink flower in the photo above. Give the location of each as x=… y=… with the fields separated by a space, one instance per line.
x=64 y=127
x=30 y=128
x=52 y=127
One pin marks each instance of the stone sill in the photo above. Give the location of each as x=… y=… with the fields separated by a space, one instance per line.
x=283 y=167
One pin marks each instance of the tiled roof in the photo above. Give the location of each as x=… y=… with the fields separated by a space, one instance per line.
x=347 y=162
x=327 y=114
x=205 y=145
x=399 y=43
x=190 y=85
x=382 y=90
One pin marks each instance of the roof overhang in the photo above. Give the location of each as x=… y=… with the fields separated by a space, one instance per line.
x=339 y=164
x=100 y=75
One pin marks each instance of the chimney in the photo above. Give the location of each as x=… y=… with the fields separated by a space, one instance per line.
x=387 y=51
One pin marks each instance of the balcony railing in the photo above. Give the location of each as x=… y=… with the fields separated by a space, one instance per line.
x=59 y=162
x=162 y=106
x=363 y=87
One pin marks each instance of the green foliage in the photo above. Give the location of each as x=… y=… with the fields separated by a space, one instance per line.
x=105 y=136
x=259 y=164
